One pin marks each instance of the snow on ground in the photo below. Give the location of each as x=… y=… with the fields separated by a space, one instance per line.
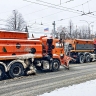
x=84 y=89
x=37 y=35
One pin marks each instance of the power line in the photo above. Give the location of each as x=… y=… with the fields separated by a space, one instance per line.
x=69 y=1
x=58 y=5
x=54 y=7
x=67 y=18
x=17 y=8
x=81 y=4
x=36 y=11
x=71 y=8
x=39 y=10
x=47 y=8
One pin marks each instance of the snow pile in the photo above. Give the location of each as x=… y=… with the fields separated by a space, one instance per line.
x=84 y=89
x=37 y=35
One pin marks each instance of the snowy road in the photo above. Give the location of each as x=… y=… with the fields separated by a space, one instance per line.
x=46 y=82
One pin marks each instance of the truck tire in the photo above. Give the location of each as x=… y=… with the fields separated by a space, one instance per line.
x=91 y=59
x=81 y=59
x=55 y=65
x=87 y=58
x=38 y=68
x=2 y=72
x=16 y=70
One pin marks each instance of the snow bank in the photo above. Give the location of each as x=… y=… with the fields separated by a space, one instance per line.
x=84 y=89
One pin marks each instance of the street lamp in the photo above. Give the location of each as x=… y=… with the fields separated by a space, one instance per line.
x=88 y=25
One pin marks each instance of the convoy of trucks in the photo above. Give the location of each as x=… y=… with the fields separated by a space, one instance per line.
x=20 y=55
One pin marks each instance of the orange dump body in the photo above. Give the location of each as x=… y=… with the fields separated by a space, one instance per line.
x=16 y=43
x=13 y=35
x=94 y=42
x=80 y=45
x=18 y=46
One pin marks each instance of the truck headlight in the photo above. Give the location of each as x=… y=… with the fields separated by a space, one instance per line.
x=61 y=55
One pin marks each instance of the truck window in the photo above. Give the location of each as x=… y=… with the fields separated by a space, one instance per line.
x=59 y=45
x=67 y=48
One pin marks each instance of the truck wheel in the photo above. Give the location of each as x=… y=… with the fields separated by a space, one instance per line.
x=81 y=59
x=91 y=59
x=2 y=72
x=38 y=68
x=55 y=65
x=87 y=58
x=16 y=70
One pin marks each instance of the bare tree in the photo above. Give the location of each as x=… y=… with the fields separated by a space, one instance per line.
x=84 y=32
x=80 y=32
x=16 y=21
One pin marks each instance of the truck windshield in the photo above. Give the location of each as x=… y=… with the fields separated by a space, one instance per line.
x=59 y=45
x=67 y=48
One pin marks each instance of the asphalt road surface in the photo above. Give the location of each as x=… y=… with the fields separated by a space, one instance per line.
x=48 y=81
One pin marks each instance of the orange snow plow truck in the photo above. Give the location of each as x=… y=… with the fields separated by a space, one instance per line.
x=20 y=55
x=82 y=50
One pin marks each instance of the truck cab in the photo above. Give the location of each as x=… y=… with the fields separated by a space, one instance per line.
x=54 y=48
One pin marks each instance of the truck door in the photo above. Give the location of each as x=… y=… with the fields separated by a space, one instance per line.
x=59 y=48
x=50 y=47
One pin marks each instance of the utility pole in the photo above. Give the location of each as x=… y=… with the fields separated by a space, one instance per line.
x=76 y=32
x=60 y=2
x=54 y=32
x=70 y=30
x=26 y=30
x=15 y=17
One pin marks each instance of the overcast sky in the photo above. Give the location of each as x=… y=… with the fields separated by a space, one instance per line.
x=46 y=11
